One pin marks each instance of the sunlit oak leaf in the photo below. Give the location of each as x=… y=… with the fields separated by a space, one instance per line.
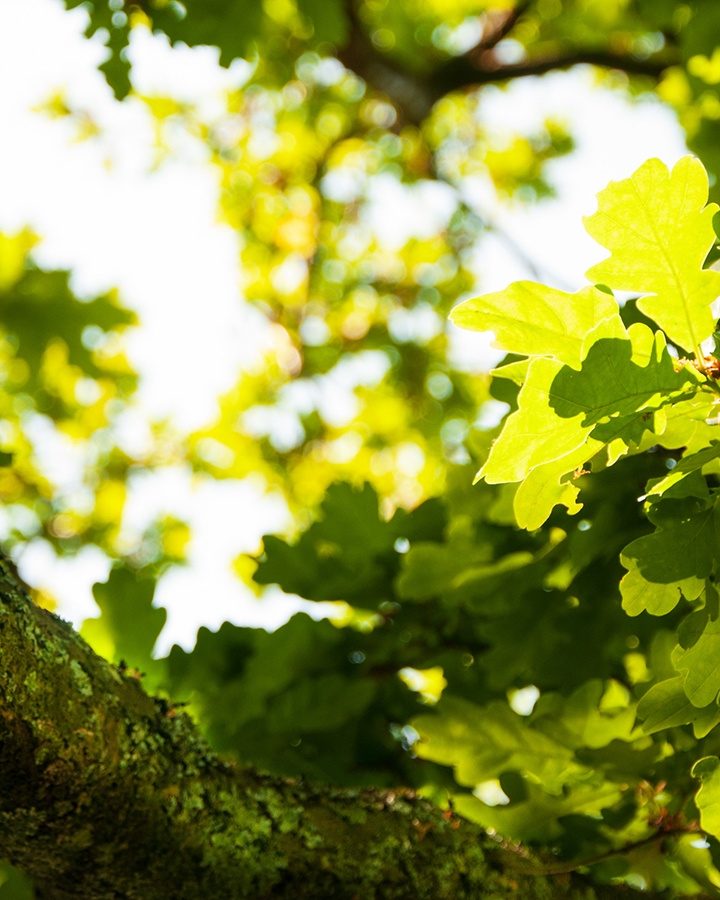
x=671 y=563
x=700 y=665
x=566 y=416
x=515 y=371
x=534 y=434
x=686 y=466
x=594 y=715
x=535 y=320
x=686 y=425
x=705 y=719
x=620 y=385
x=659 y=231
x=643 y=594
x=550 y=485
x=666 y=705
x=707 y=799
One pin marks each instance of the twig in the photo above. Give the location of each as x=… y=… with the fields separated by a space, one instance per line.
x=565 y=868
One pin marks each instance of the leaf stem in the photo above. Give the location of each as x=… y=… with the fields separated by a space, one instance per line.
x=565 y=868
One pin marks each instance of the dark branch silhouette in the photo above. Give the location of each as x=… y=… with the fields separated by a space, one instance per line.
x=415 y=93
x=466 y=72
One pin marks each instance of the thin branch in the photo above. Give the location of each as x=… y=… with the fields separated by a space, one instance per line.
x=411 y=93
x=468 y=72
x=565 y=868
x=508 y=21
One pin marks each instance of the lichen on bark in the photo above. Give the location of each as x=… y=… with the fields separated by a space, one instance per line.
x=108 y=793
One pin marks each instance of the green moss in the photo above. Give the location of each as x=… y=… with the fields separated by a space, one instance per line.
x=82 y=682
x=105 y=794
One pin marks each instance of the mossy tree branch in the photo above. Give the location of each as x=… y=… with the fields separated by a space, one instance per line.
x=105 y=793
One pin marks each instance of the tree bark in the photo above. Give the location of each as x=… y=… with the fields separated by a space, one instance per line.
x=106 y=792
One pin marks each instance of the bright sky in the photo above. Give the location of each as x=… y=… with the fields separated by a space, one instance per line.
x=105 y=212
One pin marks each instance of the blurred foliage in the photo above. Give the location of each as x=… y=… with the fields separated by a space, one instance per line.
x=66 y=382
x=449 y=621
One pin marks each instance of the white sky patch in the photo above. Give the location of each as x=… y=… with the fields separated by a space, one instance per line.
x=190 y=603
x=16 y=517
x=290 y=274
x=200 y=500
x=523 y=700
x=332 y=395
x=491 y=793
x=419 y=324
x=69 y=579
x=189 y=74
x=491 y=413
x=336 y=399
x=226 y=518
x=343 y=184
x=282 y=426
x=396 y=212
x=60 y=458
x=133 y=432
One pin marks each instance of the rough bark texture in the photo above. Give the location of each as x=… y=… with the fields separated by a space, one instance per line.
x=104 y=793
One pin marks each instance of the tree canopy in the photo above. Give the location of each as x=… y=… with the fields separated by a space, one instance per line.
x=529 y=666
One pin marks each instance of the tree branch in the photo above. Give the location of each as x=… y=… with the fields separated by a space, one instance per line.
x=468 y=71
x=414 y=94
x=107 y=793
x=508 y=20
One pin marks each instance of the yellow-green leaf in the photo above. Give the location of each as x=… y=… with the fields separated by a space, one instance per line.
x=671 y=563
x=707 y=799
x=658 y=229
x=701 y=665
x=536 y=320
x=566 y=416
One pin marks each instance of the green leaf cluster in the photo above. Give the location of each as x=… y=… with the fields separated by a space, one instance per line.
x=595 y=390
